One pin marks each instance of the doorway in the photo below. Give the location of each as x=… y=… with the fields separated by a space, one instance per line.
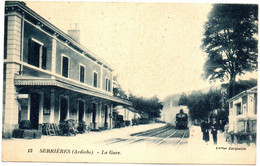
x=34 y=110
x=106 y=115
x=94 y=107
x=81 y=111
x=63 y=109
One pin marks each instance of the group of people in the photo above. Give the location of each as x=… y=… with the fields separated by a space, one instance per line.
x=206 y=127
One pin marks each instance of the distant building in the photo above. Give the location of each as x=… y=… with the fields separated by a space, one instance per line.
x=50 y=77
x=243 y=111
x=129 y=114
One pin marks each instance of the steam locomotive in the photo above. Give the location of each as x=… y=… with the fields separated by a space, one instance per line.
x=181 y=120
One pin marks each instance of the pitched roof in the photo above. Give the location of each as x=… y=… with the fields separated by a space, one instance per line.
x=246 y=92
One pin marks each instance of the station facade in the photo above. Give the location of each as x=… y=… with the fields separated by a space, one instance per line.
x=49 y=76
x=243 y=112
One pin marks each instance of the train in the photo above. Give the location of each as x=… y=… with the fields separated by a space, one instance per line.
x=181 y=120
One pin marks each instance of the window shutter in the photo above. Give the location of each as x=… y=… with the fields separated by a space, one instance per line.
x=109 y=88
x=106 y=84
x=30 y=51
x=82 y=74
x=44 y=57
x=95 y=79
x=65 y=67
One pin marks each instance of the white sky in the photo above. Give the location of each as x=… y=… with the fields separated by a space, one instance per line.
x=154 y=48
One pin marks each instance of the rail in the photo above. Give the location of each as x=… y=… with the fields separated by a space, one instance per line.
x=164 y=139
x=179 y=142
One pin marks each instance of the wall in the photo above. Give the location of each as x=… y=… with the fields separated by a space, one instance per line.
x=32 y=32
x=13 y=45
x=74 y=60
x=12 y=52
x=106 y=74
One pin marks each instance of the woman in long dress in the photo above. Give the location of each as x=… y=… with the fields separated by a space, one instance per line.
x=205 y=130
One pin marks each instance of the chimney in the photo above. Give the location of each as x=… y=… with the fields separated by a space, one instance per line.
x=74 y=32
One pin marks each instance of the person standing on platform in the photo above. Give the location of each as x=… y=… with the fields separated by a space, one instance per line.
x=205 y=130
x=214 y=131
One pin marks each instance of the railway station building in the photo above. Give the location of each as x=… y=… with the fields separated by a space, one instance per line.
x=49 y=76
x=243 y=112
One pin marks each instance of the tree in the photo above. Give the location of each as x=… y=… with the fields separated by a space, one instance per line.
x=230 y=42
x=242 y=85
x=117 y=90
x=215 y=98
x=201 y=104
x=183 y=100
x=149 y=107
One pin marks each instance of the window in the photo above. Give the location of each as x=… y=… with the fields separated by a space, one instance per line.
x=108 y=88
x=95 y=79
x=37 y=54
x=65 y=66
x=239 y=110
x=82 y=73
x=231 y=104
x=255 y=104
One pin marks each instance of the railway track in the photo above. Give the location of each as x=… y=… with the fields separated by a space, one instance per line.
x=181 y=139
x=164 y=139
x=147 y=133
x=151 y=134
x=172 y=136
x=152 y=131
x=165 y=133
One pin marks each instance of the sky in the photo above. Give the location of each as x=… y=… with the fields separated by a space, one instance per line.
x=154 y=48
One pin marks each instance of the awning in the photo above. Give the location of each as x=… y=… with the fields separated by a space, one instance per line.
x=69 y=85
x=132 y=109
x=119 y=107
x=36 y=82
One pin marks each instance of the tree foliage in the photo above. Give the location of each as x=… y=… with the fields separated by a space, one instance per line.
x=201 y=104
x=149 y=108
x=117 y=90
x=230 y=42
x=241 y=85
x=183 y=100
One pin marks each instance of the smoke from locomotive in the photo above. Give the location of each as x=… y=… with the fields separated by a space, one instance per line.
x=169 y=113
